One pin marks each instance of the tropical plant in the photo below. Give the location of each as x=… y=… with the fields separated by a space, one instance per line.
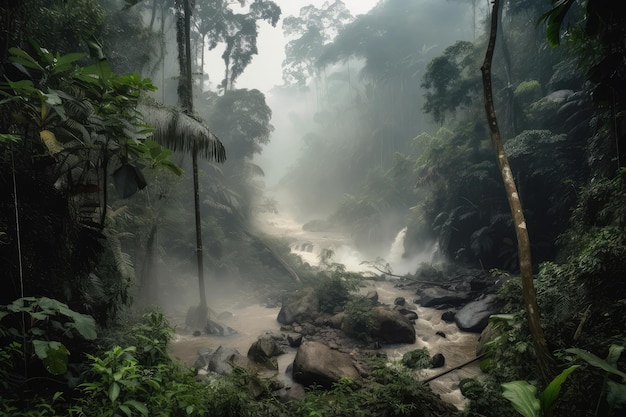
x=201 y=141
x=40 y=328
x=417 y=359
x=334 y=284
x=485 y=399
x=74 y=123
x=615 y=391
x=524 y=397
x=115 y=381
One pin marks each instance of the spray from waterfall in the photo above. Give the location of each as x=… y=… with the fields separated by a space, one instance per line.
x=402 y=264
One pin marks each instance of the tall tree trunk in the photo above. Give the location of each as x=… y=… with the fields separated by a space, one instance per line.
x=544 y=358
x=509 y=120
x=148 y=284
x=186 y=100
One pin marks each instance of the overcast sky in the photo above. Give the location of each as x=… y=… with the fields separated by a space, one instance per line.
x=265 y=71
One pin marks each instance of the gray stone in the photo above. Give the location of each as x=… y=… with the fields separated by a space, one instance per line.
x=224 y=360
x=474 y=316
x=218 y=329
x=263 y=350
x=372 y=296
x=437 y=361
x=316 y=363
x=448 y=316
x=299 y=307
x=294 y=340
x=391 y=327
x=433 y=297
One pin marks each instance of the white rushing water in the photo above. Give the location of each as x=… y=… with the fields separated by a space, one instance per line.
x=254 y=320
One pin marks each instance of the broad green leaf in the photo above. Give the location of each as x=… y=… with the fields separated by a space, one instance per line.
x=64 y=62
x=23 y=86
x=550 y=394
x=23 y=58
x=102 y=70
x=41 y=348
x=57 y=359
x=85 y=325
x=46 y=55
x=553 y=32
x=39 y=315
x=592 y=359
x=138 y=406
x=521 y=394
x=114 y=391
x=126 y=410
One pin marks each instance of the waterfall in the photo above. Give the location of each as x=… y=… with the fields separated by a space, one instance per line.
x=400 y=263
x=397 y=248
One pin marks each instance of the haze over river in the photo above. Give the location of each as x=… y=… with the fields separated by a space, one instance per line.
x=251 y=321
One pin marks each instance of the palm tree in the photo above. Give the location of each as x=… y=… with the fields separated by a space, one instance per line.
x=182 y=130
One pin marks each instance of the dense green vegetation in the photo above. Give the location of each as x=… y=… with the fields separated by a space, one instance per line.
x=96 y=212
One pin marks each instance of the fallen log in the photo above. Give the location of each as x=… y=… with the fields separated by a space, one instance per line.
x=464 y=364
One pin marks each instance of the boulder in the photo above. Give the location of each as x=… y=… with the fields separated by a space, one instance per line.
x=224 y=360
x=294 y=340
x=474 y=316
x=390 y=326
x=294 y=392
x=300 y=306
x=433 y=297
x=437 y=361
x=409 y=314
x=218 y=329
x=372 y=296
x=337 y=320
x=263 y=350
x=202 y=361
x=316 y=363
x=448 y=316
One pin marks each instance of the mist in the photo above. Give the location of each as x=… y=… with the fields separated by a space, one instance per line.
x=334 y=134
x=356 y=111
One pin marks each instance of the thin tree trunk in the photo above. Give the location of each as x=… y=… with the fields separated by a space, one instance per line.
x=148 y=284
x=544 y=358
x=199 y=252
x=510 y=128
x=186 y=99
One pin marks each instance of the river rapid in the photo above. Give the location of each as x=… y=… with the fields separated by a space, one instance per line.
x=251 y=321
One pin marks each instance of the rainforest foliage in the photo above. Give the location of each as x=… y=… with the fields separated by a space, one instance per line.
x=96 y=212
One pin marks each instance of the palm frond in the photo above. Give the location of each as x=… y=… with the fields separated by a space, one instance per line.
x=123 y=262
x=178 y=131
